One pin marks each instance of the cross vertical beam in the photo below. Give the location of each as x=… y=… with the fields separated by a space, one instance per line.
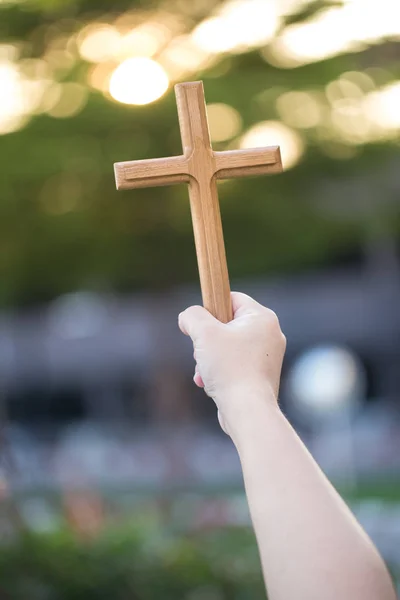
x=200 y=166
x=204 y=205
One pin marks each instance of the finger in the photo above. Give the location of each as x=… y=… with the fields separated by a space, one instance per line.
x=193 y=319
x=198 y=380
x=242 y=304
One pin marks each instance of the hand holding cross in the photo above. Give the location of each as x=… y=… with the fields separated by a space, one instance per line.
x=200 y=167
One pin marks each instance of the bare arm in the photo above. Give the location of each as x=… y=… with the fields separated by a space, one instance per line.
x=311 y=546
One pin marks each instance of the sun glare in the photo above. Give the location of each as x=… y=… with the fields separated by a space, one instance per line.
x=253 y=21
x=335 y=30
x=239 y=25
x=138 y=81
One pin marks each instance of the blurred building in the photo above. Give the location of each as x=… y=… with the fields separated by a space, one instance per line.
x=122 y=362
x=124 y=357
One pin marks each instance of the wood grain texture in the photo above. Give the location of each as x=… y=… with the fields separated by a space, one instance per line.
x=244 y=163
x=201 y=167
x=206 y=216
x=153 y=172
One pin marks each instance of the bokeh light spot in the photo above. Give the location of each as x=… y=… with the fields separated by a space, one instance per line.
x=18 y=98
x=99 y=42
x=349 y=121
x=342 y=88
x=144 y=40
x=224 y=120
x=100 y=74
x=299 y=109
x=73 y=97
x=183 y=56
x=34 y=68
x=326 y=380
x=254 y=21
x=213 y=35
x=138 y=81
x=363 y=80
x=51 y=96
x=383 y=106
x=270 y=133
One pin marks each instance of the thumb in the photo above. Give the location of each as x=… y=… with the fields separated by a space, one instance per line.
x=192 y=320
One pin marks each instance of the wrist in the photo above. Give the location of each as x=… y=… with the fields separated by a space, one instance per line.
x=248 y=411
x=255 y=437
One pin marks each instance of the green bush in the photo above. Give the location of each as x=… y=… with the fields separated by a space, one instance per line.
x=128 y=565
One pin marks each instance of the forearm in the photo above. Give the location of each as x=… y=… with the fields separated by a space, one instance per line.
x=311 y=546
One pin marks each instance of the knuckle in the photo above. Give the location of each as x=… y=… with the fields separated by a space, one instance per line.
x=274 y=327
x=273 y=319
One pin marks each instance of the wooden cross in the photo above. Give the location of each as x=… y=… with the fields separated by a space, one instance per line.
x=200 y=167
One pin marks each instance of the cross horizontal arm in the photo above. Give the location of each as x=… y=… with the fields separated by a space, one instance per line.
x=254 y=161
x=152 y=172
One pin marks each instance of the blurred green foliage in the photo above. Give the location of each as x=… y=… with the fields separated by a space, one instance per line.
x=147 y=555
x=63 y=226
x=129 y=565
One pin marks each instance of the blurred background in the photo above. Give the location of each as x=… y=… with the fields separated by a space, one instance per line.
x=115 y=480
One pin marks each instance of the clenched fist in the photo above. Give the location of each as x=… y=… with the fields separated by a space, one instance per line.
x=239 y=362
